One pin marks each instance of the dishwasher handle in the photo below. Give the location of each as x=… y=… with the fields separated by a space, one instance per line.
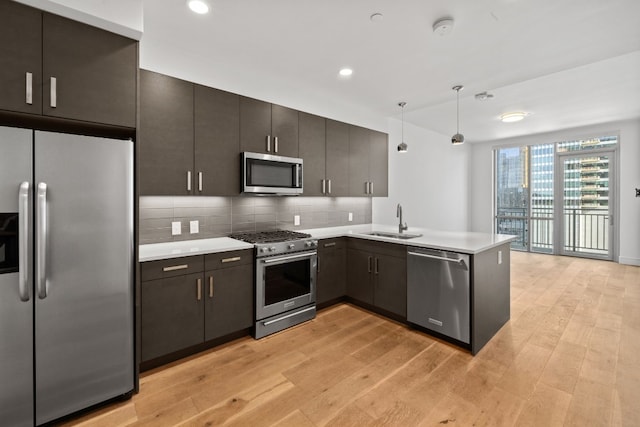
x=458 y=261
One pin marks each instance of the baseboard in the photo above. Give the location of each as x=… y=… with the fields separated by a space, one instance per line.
x=629 y=261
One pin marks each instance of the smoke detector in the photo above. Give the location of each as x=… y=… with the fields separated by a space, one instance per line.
x=443 y=26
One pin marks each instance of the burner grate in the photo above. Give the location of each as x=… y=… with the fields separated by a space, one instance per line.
x=269 y=236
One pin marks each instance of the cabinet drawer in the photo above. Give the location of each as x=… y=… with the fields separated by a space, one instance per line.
x=228 y=259
x=171 y=267
x=337 y=243
x=384 y=248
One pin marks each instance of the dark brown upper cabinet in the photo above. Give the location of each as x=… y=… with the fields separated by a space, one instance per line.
x=324 y=147
x=56 y=67
x=268 y=128
x=217 y=142
x=189 y=138
x=368 y=162
x=165 y=135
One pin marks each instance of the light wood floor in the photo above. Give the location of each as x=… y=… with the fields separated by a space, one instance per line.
x=570 y=355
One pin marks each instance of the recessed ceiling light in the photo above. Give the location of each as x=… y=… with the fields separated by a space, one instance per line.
x=346 y=72
x=515 y=116
x=198 y=6
x=484 y=96
x=376 y=17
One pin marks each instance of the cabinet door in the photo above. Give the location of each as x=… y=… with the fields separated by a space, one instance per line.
x=284 y=127
x=95 y=73
x=217 y=142
x=359 y=270
x=165 y=135
x=312 y=151
x=255 y=126
x=390 y=288
x=337 y=157
x=20 y=53
x=378 y=163
x=172 y=316
x=332 y=271
x=229 y=300
x=358 y=161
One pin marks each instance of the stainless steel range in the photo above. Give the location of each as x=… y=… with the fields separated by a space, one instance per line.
x=286 y=263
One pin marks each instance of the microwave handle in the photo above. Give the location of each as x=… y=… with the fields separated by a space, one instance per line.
x=297 y=174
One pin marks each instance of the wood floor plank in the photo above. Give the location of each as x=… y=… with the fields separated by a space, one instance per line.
x=568 y=356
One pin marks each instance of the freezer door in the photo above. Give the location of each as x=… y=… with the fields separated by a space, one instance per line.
x=16 y=298
x=84 y=272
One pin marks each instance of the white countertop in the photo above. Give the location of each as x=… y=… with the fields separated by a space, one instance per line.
x=456 y=241
x=156 y=251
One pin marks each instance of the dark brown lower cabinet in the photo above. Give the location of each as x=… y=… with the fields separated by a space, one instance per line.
x=377 y=275
x=229 y=305
x=172 y=316
x=183 y=306
x=332 y=270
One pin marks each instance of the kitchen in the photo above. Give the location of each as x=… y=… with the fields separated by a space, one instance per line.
x=466 y=191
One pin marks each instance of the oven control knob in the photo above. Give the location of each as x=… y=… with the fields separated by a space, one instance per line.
x=263 y=250
x=307 y=244
x=314 y=243
x=272 y=248
x=291 y=246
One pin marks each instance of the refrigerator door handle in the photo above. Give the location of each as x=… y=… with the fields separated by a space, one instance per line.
x=41 y=241
x=23 y=239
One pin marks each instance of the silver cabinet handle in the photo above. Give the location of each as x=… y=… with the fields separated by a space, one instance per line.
x=188 y=180
x=200 y=181
x=268 y=142
x=324 y=186
x=23 y=239
x=328 y=245
x=370 y=187
x=375 y=268
x=366 y=187
x=329 y=186
x=210 y=286
x=232 y=259
x=275 y=144
x=369 y=265
x=41 y=241
x=199 y=291
x=29 y=85
x=176 y=267
x=54 y=92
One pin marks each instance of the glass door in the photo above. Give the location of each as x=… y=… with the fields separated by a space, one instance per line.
x=586 y=218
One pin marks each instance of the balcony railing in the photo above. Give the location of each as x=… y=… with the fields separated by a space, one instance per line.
x=586 y=230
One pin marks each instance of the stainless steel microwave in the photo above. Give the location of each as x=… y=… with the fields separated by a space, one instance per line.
x=266 y=174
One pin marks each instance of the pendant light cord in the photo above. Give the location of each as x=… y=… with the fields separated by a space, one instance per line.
x=457 y=110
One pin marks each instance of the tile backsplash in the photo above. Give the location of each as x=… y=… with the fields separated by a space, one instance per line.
x=220 y=216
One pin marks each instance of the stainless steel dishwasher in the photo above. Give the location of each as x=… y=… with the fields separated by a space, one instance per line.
x=438 y=292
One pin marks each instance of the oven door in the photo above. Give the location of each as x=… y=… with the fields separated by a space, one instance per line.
x=285 y=282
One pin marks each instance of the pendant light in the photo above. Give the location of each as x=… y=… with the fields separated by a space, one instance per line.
x=458 y=138
x=402 y=147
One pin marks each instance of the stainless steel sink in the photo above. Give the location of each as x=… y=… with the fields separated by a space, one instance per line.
x=403 y=236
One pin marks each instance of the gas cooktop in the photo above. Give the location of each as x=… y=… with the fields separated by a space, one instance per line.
x=270 y=236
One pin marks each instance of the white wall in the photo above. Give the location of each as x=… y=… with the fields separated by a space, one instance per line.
x=481 y=180
x=119 y=16
x=430 y=181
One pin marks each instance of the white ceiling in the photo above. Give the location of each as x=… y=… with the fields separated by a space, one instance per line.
x=568 y=63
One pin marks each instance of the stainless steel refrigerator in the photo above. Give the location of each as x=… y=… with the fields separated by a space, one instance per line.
x=66 y=273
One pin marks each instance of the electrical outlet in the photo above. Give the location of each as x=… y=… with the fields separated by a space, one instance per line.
x=194 y=227
x=176 y=228
x=499 y=257
x=296 y=220
x=350 y=216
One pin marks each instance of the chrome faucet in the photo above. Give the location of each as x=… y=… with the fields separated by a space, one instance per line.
x=401 y=226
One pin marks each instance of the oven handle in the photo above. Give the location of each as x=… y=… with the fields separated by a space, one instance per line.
x=287 y=258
